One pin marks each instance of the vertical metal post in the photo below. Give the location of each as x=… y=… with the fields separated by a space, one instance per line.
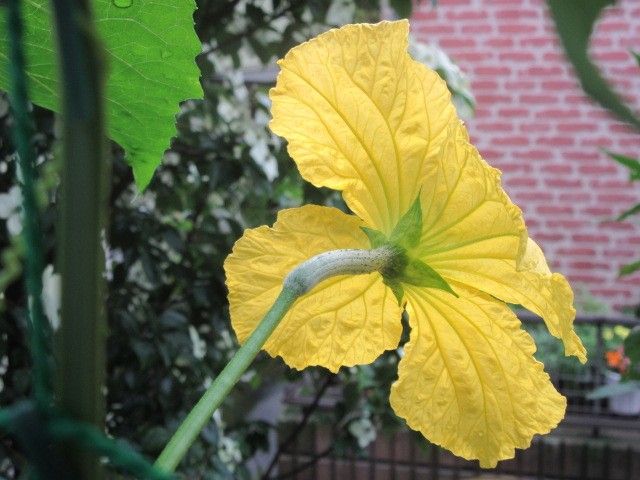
x=598 y=368
x=412 y=458
x=392 y=456
x=540 y=449
x=584 y=460
x=314 y=450
x=294 y=459
x=456 y=468
x=435 y=458
x=519 y=465
x=353 y=466
x=606 y=454
x=373 y=465
x=82 y=335
x=333 y=466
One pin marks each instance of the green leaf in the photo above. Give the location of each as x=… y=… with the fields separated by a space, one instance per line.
x=376 y=238
x=629 y=269
x=627 y=213
x=396 y=288
x=636 y=55
x=409 y=229
x=406 y=233
x=574 y=20
x=631 y=163
x=403 y=8
x=150 y=55
x=422 y=275
x=613 y=390
x=632 y=346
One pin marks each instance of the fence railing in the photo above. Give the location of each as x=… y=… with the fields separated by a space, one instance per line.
x=591 y=443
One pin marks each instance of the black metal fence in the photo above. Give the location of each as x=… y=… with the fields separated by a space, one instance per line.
x=592 y=442
x=392 y=458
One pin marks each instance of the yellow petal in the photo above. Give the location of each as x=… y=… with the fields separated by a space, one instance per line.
x=474 y=234
x=343 y=321
x=468 y=380
x=465 y=212
x=361 y=116
x=531 y=285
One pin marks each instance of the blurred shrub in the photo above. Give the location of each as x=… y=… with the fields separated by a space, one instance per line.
x=169 y=331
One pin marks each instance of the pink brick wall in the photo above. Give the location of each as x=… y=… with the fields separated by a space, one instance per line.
x=534 y=123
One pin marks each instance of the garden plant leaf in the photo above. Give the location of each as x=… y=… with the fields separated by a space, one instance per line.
x=420 y=274
x=403 y=8
x=629 y=212
x=574 y=20
x=630 y=268
x=409 y=228
x=613 y=390
x=150 y=56
x=632 y=346
x=631 y=163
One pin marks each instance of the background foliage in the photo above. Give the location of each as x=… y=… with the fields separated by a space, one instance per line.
x=169 y=330
x=575 y=20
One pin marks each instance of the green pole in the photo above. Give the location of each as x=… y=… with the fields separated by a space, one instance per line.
x=82 y=335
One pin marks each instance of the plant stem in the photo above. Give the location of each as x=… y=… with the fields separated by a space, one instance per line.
x=82 y=335
x=201 y=414
x=301 y=279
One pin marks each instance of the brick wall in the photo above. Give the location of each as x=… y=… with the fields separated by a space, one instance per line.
x=534 y=123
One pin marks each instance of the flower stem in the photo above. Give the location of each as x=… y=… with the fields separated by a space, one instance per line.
x=201 y=414
x=302 y=279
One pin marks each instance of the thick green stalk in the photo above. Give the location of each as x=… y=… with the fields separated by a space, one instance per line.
x=302 y=279
x=82 y=335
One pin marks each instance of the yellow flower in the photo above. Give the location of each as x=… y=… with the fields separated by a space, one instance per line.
x=362 y=117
